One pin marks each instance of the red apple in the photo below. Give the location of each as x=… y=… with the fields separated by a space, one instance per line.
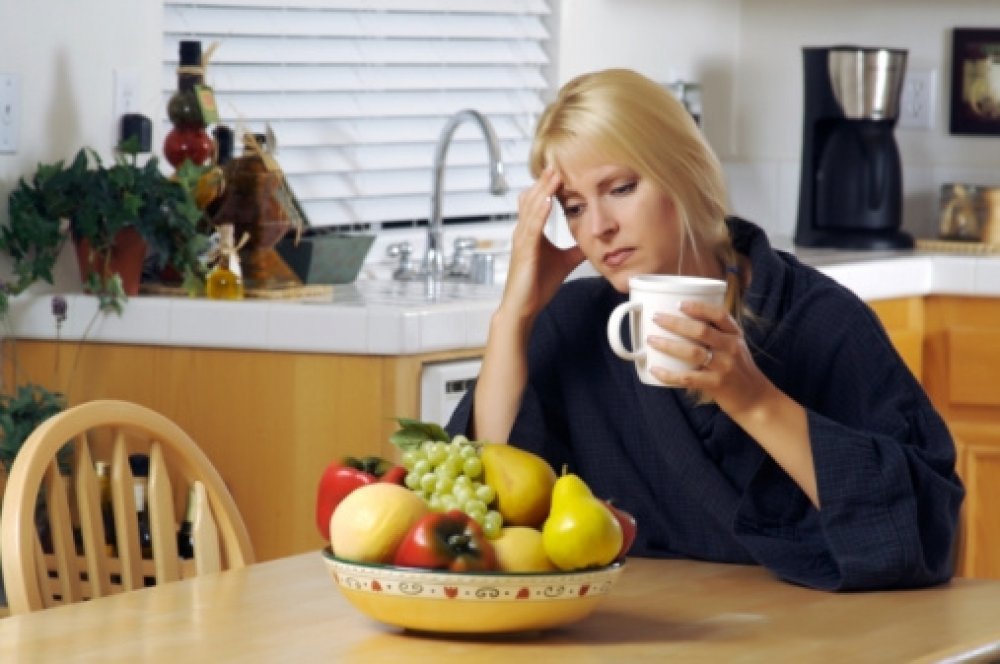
x=629 y=528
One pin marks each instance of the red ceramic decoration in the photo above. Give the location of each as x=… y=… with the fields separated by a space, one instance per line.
x=192 y=143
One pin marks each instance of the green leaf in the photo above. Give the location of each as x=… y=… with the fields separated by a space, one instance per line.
x=414 y=432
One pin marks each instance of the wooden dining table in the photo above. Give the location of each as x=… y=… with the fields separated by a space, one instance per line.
x=289 y=610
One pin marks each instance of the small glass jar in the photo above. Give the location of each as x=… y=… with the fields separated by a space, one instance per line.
x=225 y=280
x=961 y=213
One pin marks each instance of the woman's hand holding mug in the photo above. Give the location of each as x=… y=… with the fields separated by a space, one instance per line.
x=652 y=294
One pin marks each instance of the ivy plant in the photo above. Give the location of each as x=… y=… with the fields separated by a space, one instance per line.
x=20 y=413
x=87 y=200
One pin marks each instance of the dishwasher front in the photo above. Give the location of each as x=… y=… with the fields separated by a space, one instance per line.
x=442 y=385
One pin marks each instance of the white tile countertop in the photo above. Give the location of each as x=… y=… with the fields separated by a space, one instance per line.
x=391 y=318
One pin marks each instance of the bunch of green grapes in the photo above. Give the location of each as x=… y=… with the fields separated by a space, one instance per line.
x=449 y=476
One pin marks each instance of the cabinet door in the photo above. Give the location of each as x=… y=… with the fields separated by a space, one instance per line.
x=979 y=466
x=962 y=357
x=973 y=361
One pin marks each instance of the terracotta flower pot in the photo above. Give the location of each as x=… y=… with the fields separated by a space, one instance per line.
x=127 y=256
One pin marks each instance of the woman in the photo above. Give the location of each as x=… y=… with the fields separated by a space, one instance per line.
x=801 y=441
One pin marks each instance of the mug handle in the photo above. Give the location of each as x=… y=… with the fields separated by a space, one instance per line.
x=614 y=331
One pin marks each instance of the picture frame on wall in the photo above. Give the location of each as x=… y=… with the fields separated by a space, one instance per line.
x=975 y=82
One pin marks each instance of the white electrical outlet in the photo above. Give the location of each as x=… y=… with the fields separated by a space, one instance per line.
x=917 y=100
x=10 y=112
x=126 y=99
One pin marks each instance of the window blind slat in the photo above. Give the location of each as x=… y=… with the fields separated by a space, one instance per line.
x=383 y=131
x=353 y=213
x=334 y=78
x=310 y=159
x=364 y=105
x=317 y=51
x=482 y=6
x=340 y=24
x=358 y=91
x=398 y=183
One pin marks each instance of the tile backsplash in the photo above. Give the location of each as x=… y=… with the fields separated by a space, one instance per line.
x=767 y=193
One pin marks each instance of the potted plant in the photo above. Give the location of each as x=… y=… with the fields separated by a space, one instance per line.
x=20 y=413
x=102 y=209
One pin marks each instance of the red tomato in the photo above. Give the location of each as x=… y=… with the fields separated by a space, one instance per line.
x=447 y=540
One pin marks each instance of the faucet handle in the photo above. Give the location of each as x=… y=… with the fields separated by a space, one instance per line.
x=402 y=251
x=465 y=244
x=459 y=260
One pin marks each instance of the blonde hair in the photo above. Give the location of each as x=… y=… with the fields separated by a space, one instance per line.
x=628 y=118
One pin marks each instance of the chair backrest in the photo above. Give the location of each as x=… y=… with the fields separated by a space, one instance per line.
x=67 y=535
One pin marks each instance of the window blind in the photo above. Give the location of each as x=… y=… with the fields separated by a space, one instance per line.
x=358 y=91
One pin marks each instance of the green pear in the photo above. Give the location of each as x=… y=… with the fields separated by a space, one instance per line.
x=580 y=531
x=523 y=482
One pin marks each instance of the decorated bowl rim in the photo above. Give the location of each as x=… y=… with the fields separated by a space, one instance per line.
x=376 y=567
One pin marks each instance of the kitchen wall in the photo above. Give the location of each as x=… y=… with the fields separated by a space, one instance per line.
x=745 y=53
x=666 y=40
x=64 y=53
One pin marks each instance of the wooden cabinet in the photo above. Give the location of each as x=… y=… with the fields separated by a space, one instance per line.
x=953 y=345
x=962 y=377
x=270 y=422
x=979 y=465
x=903 y=320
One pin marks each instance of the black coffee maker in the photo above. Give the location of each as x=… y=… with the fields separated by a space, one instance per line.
x=850 y=194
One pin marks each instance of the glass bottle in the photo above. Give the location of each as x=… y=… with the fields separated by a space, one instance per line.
x=212 y=182
x=224 y=142
x=225 y=280
x=188 y=138
x=185 y=534
x=257 y=202
x=107 y=512
x=139 y=463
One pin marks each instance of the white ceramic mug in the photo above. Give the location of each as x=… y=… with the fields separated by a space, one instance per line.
x=650 y=294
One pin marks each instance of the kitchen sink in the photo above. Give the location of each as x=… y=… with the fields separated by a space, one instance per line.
x=388 y=292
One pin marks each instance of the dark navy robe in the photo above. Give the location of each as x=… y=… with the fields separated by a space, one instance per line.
x=699 y=487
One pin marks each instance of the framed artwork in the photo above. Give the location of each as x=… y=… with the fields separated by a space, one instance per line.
x=975 y=81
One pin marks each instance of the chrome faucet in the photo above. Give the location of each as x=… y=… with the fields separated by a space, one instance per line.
x=433 y=263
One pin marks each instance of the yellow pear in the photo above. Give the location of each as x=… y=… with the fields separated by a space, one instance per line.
x=581 y=531
x=520 y=549
x=523 y=482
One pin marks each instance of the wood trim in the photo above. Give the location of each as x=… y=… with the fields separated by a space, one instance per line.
x=903 y=320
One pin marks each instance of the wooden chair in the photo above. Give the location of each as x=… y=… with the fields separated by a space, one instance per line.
x=80 y=560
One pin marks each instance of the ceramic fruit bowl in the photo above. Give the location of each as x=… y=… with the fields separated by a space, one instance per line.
x=482 y=602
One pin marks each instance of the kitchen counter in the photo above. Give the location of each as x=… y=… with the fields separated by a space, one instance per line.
x=390 y=318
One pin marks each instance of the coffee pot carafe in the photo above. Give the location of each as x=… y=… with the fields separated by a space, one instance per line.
x=850 y=193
